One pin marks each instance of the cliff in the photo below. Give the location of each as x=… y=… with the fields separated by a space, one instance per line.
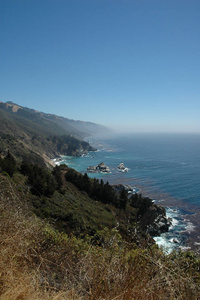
x=150 y=217
x=37 y=137
x=154 y=220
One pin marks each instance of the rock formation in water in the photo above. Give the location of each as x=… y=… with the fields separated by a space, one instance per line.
x=99 y=168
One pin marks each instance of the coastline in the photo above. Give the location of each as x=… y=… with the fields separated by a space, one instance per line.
x=183 y=234
x=62 y=159
x=185 y=227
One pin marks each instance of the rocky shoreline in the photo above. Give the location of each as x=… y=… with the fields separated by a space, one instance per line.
x=154 y=220
x=129 y=189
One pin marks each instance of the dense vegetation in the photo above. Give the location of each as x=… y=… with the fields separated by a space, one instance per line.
x=99 y=191
x=8 y=164
x=38 y=261
x=78 y=204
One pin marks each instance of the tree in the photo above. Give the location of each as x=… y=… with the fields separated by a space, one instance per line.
x=58 y=177
x=8 y=164
x=86 y=183
x=123 y=199
x=42 y=181
x=140 y=203
x=50 y=184
x=134 y=200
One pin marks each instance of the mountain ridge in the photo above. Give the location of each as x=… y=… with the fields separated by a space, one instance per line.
x=80 y=128
x=38 y=137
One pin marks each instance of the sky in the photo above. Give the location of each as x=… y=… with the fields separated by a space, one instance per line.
x=131 y=65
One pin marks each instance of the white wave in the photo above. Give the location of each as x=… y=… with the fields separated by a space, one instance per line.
x=59 y=162
x=171 y=213
x=190 y=227
x=184 y=248
x=174 y=222
x=174 y=240
x=162 y=242
x=125 y=170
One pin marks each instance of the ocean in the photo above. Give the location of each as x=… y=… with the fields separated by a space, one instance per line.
x=165 y=167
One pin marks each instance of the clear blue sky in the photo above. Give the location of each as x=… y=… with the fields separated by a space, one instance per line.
x=134 y=65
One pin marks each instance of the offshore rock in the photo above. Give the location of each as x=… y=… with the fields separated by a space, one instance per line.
x=92 y=169
x=103 y=168
x=122 y=168
x=99 y=168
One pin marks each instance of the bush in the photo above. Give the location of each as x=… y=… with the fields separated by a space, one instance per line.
x=42 y=181
x=8 y=164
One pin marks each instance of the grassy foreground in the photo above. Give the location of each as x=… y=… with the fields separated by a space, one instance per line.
x=39 y=262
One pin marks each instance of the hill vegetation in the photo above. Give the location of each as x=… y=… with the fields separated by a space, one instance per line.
x=58 y=242
x=66 y=236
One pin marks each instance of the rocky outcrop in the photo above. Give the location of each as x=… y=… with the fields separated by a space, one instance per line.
x=81 y=152
x=122 y=168
x=119 y=187
x=154 y=220
x=99 y=168
x=103 y=168
x=92 y=169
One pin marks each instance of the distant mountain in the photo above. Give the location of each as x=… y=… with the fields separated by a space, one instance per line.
x=53 y=123
x=37 y=136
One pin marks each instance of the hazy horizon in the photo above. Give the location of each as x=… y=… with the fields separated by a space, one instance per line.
x=130 y=65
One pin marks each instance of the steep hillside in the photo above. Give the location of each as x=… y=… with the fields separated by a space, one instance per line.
x=51 y=124
x=36 y=137
x=75 y=248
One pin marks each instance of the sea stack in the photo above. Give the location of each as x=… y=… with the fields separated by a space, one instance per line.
x=122 y=168
x=100 y=167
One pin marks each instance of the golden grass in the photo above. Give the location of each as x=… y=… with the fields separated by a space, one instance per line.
x=37 y=262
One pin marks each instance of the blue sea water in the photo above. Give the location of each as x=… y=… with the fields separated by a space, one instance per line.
x=165 y=167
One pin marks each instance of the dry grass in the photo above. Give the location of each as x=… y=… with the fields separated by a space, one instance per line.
x=36 y=262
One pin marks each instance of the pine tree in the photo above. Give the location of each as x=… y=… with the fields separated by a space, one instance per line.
x=123 y=199
x=58 y=177
x=9 y=164
x=86 y=183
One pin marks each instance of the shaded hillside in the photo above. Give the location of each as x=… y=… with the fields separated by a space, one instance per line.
x=36 y=137
x=51 y=124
